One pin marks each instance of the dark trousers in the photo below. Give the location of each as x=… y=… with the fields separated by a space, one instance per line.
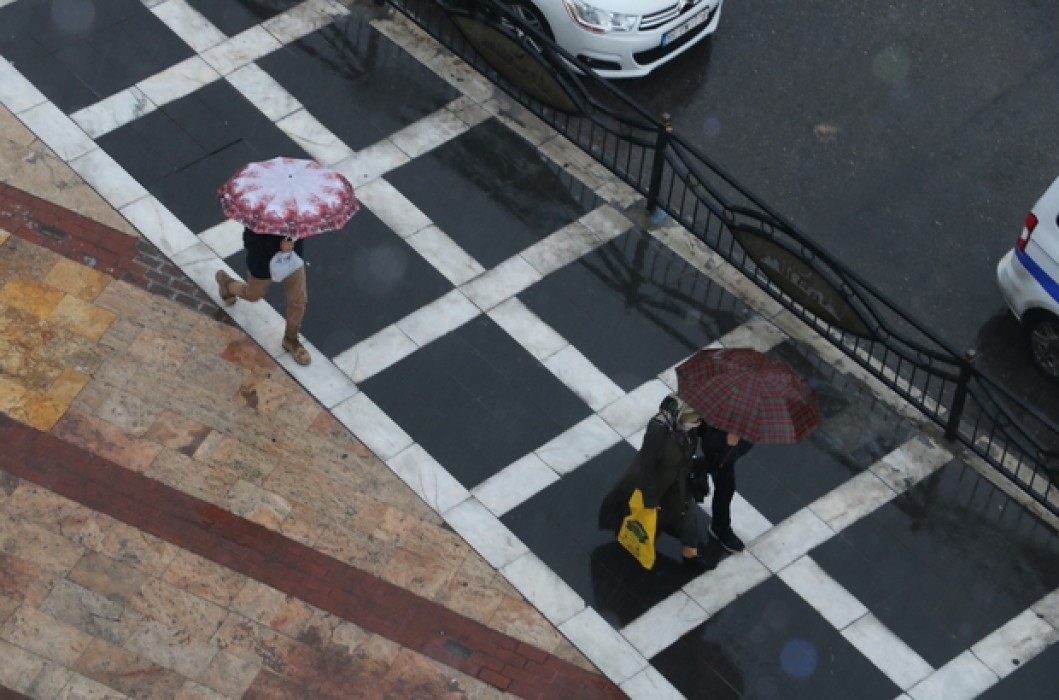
x=723 y=491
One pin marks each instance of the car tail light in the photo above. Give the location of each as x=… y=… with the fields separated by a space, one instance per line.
x=1027 y=231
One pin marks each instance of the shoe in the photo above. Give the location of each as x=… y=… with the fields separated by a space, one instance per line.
x=297 y=351
x=698 y=562
x=728 y=540
x=223 y=279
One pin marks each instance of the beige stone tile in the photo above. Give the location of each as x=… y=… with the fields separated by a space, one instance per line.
x=219 y=379
x=37 y=410
x=468 y=597
x=4 y=235
x=251 y=641
x=48 y=550
x=178 y=609
x=76 y=279
x=90 y=612
x=172 y=648
x=138 y=549
x=325 y=631
x=104 y=439
x=257 y=505
x=246 y=353
x=201 y=577
x=358 y=549
x=419 y=573
x=177 y=432
x=31 y=295
x=229 y=675
x=19 y=258
x=274 y=609
x=45 y=636
x=20 y=666
x=568 y=652
x=412 y=673
x=81 y=317
x=82 y=688
x=303 y=524
x=132 y=413
x=210 y=483
x=11 y=394
x=55 y=681
x=67 y=386
x=31 y=504
x=148 y=310
x=22 y=583
x=196 y=691
x=127 y=672
x=159 y=349
x=107 y=577
x=212 y=337
x=517 y=618
x=263 y=394
x=121 y=334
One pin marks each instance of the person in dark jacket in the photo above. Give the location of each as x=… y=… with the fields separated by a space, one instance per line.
x=720 y=451
x=259 y=251
x=661 y=471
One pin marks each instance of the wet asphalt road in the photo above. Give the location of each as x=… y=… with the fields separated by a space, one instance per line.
x=907 y=138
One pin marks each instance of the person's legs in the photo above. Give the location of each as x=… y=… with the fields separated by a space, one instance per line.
x=231 y=289
x=723 y=492
x=297 y=293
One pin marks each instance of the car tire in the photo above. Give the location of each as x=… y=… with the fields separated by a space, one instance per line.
x=1043 y=334
x=531 y=16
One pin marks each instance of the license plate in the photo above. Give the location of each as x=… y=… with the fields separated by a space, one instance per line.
x=674 y=34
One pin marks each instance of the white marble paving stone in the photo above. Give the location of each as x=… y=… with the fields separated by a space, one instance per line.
x=790 y=539
x=528 y=330
x=561 y=248
x=17 y=93
x=178 y=81
x=484 y=531
x=57 y=130
x=911 y=463
x=468 y=111
x=852 y=500
x=428 y=133
x=440 y=317
x=607 y=222
x=1008 y=648
x=515 y=484
x=829 y=598
x=371 y=426
x=326 y=382
x=649 y=684
x=240 y=50
x=583 y=378
x=260 y=88
x=372 y=355
x=502 y=282
x=963 y=678
x=300 y=20
x=427 y=478
x=630 y=413
x=158 y=225
x=1048 y=608
x=898 y=661
x=575 y=446
x=544 y=590
x=225 y=239
x=108 y=178
x=757 y=334
x=374 y=161
x=392 y=208
x=450 y=260
x=314 y=138
x=603 y=645
x=747 y=521
x=664 y=623
x=195 y=30
x=113 y=112
x=733 y=577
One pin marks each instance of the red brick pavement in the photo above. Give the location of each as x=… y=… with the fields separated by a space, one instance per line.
x=243 y=546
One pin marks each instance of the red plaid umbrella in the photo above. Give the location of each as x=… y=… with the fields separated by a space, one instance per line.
x=748 y=393
x=288 y=197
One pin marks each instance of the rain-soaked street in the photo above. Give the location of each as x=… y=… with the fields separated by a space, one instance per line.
x=909 y=139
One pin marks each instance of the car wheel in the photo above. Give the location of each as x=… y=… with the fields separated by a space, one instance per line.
x=531 y=17
x=1044 y=344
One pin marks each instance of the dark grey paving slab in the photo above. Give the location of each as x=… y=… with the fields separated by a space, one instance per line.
x=235 y=16
x=78 y=53
x=475 y=400
x=1037 y=680
x=634 y=308
x=857 y=431
x=946 y=563
x=492 y=192
x=769 y=644
x=559 y=525
x=185 y=150
x=358 y=83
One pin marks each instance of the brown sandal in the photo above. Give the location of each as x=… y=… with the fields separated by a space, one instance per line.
x=223 y=280
x=297 y=351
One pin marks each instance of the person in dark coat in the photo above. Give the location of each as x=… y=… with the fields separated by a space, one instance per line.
x=661 y=471
x=259 y=251
x=720 y=451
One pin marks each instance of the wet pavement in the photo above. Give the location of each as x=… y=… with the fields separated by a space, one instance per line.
x=495 y=327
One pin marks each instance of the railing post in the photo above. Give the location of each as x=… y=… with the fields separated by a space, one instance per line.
x=956 y=412
x=661 y=144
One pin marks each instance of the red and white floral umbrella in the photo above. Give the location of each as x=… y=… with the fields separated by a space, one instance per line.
x=288 y=197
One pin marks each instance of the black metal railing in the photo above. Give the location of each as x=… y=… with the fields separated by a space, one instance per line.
x=673 y=175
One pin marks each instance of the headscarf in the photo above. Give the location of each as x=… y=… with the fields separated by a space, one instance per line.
x=670 y=412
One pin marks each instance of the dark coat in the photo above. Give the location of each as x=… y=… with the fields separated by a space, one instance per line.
x=660 y=471
x=716 y=452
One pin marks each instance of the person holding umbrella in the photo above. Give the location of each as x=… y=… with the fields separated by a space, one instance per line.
x=661 y=471
x=745 y=397
x=280 y=202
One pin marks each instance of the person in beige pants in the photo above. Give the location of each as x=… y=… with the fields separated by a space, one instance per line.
x=259 y=251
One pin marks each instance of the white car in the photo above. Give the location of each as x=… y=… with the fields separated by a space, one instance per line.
x=621 y=38
x=1028 y=276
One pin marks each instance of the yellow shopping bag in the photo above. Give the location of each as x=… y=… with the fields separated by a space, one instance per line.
x=638 y=530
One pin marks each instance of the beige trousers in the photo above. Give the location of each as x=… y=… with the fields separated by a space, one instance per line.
x=294 y=289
